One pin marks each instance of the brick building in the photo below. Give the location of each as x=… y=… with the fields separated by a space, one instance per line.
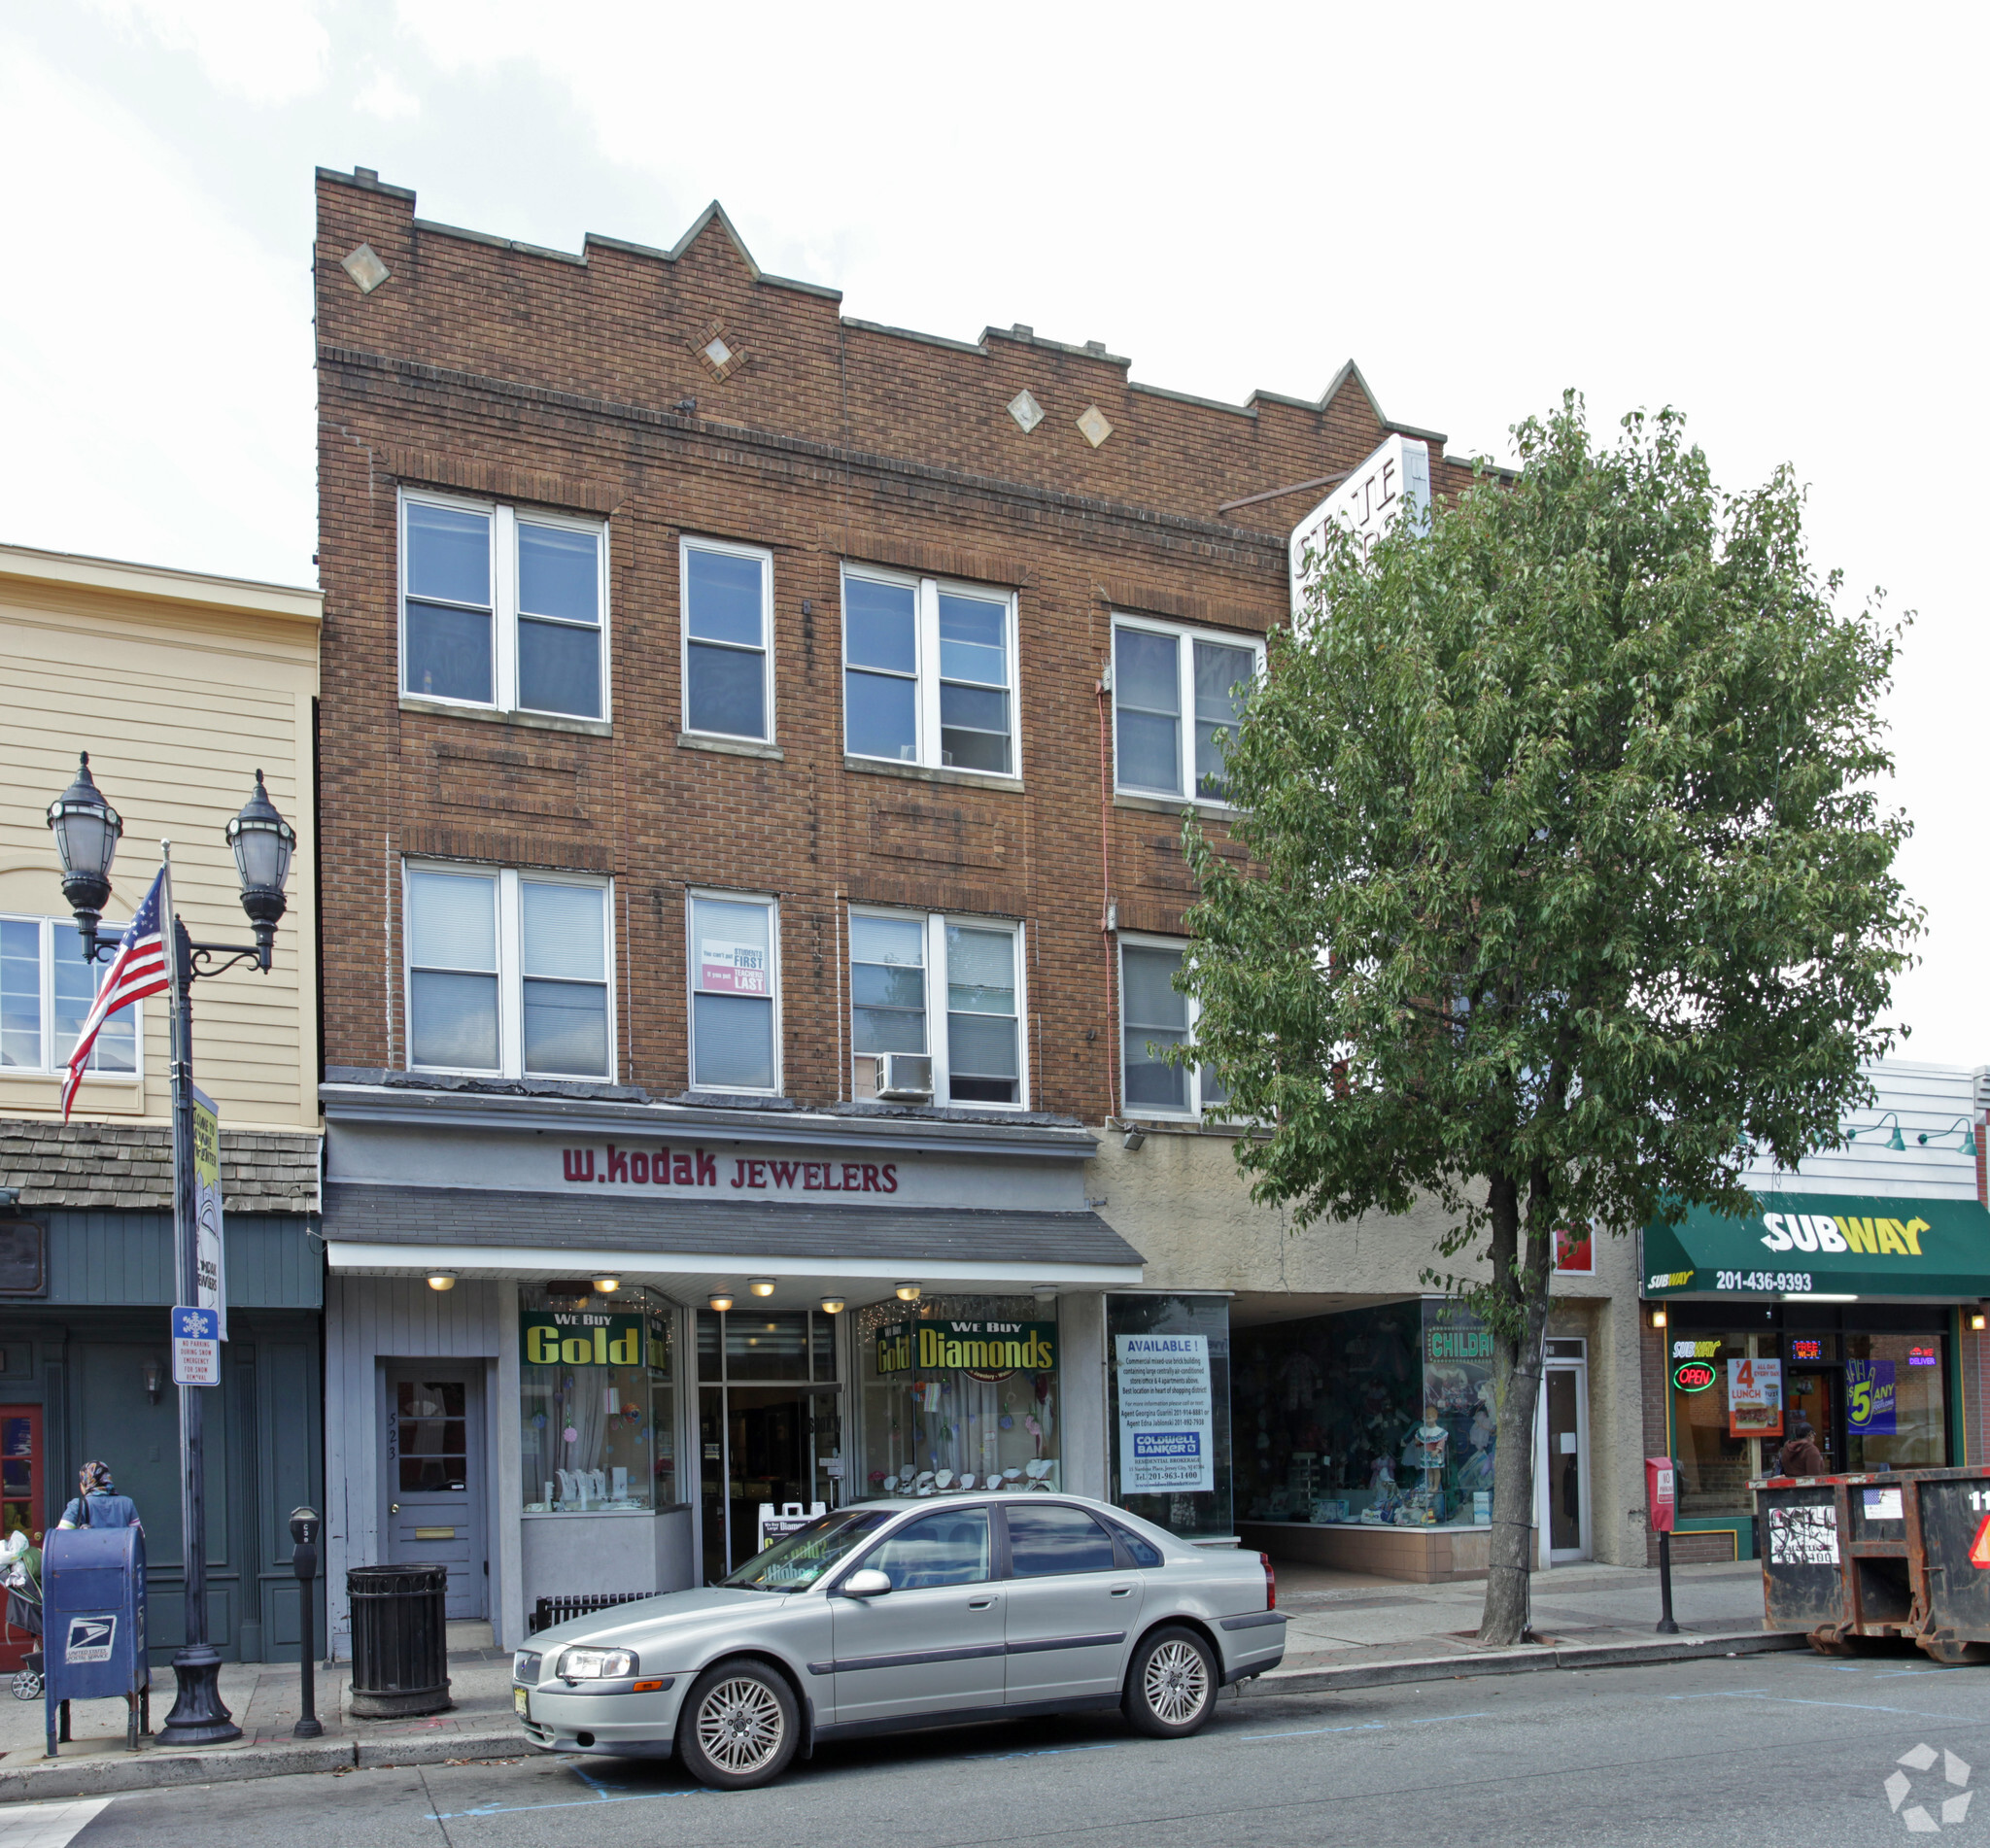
x=753 y=752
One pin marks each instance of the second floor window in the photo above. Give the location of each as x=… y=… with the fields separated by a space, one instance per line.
x=1176 y=696
x=508 y=974
x=929 y=672
x=503 y=607
x=735 y=991
x=46 y=991
x=907 y=968
x=1154 y=1018
x=727 y=593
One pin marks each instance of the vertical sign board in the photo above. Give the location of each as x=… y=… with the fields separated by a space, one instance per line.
x=196 y=1347
x=1871 y=1399
x=1755 y=1398
x=1165 y=1423
x=210 y=1263
x=1396 y=476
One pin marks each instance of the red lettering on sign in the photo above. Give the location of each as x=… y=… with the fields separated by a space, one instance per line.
x=756 y=1173
x=811 y=1177
x=871 y=1177
x=738 y=1171
x=579 y=1163
x=708 y=1169
x=890 y=1172
x=853 y=1178
x=784 y=1173
x=618 y=1163
x=638 y=1167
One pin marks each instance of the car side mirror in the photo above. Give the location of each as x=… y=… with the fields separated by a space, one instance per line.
x=868 y=1582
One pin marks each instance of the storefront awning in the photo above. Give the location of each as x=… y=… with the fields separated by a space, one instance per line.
x=1823 y=1244
x=401 y=1230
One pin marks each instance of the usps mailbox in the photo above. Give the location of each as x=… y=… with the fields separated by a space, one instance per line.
x=93 y=1625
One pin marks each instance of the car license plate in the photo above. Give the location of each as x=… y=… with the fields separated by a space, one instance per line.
x=522 y=1702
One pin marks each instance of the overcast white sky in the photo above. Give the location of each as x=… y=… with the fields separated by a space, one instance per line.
x=1770 y=216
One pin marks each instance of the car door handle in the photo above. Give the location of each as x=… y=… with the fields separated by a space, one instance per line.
x=1121 y=1591
x=979 y=1603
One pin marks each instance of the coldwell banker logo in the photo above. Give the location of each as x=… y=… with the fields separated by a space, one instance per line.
x=1167 y=1443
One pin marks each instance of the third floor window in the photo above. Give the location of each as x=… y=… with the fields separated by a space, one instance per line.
x=929 y=672
x=503 y=607
x=1176 y=695
x=727 y=601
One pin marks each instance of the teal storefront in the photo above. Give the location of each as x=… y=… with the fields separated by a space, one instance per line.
x=1844 y=1309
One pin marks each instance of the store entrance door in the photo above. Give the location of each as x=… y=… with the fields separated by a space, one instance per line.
x=1563 y=1459
x=432 y=1452
x=1812 y=1392
x=762 y=1444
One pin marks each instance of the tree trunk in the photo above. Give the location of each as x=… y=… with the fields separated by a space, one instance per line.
x=1519 y=1280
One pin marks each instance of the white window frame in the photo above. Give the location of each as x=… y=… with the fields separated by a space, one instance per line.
x=48 y=949
x=1185 y=638
x=927 y=592
x=1198 y=1109
x=938 y=1040
x=511 y=966
x=504 y=613
x=772 y=901
x=687 y=543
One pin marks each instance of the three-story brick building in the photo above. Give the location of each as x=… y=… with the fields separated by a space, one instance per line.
x=752 y=755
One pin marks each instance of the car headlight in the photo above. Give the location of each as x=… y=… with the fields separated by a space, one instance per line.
x=597 y=1664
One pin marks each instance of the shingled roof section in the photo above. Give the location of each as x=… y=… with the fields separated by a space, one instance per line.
x=130 y=1165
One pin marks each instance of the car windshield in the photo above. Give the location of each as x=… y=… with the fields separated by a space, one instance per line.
x=794 y=1562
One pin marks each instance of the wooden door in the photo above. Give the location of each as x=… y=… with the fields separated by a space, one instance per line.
x=434 y=1491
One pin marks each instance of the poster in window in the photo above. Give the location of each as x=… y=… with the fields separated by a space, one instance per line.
x=1166 y=1445
x=1754 y=1398
x=1575 y=1251
x=730 y=968
x=1872 y=1402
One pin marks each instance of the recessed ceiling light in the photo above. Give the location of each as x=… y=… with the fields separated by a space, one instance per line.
x=906 y=1292
x=721 y=1302
x=441 y=1280
x=761 y=1285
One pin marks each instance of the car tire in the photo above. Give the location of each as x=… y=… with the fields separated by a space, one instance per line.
x=1171 y=1684
x=739 y=1727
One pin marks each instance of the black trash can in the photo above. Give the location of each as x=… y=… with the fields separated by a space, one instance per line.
x=401 y=1640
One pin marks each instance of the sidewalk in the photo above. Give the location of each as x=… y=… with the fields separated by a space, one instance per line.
x=1345 y=1630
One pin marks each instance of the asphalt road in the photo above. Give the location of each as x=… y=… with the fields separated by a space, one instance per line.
x=1782 y=1750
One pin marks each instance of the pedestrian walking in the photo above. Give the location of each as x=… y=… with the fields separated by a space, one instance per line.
x=1801 y=1456
x=97 y=1502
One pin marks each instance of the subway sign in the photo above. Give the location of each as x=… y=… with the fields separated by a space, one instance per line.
x=580 y=1338
x=982 y=1350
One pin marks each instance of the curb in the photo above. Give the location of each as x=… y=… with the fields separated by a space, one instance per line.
x=52 y=1778
x=1514 y=1661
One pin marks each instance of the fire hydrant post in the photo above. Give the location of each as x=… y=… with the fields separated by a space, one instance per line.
x=1662 y=1502
x=304 y=1562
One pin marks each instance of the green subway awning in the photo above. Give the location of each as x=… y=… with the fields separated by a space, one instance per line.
x=1823 y=1244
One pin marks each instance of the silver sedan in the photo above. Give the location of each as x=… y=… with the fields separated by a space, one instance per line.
x=895 y=1614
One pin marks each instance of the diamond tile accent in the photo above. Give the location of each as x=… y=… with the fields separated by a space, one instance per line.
x=722 y=357
x=365 y=267
x=1092 y=426
x=1026 y=411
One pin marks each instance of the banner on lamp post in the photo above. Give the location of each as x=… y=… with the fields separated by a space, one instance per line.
x=210 y=1261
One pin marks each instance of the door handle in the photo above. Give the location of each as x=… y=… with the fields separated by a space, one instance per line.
x=394 y=1507
x=1121 y=1591
x=979 y=1603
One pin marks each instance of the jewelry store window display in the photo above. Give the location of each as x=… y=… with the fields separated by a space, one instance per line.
x=958 y=1393
x=596 y=1401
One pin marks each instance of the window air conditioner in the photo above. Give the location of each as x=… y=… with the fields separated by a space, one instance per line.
x=907 y=1077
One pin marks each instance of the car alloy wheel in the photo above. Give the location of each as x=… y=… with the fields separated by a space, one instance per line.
x=740 y=1726
x=1176 y=1683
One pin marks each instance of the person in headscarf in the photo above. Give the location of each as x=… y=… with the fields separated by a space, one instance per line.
x=97 y=1502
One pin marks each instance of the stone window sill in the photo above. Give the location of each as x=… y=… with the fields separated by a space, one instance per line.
x=1173 y=806
x=491 y=715
x=928 y=773
x=729 y=746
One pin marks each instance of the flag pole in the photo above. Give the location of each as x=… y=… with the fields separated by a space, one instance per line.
x=199 y=1717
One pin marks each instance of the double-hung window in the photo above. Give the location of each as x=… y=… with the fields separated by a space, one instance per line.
x=1176 y=695
x=503 y=607
x=907 y=970
x=1156 y=1015
x=929 y=672
x=509 y=973
x=46 y=991
x=727 y=603
x=734 y=993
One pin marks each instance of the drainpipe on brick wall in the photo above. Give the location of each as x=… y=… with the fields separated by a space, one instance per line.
x=1106 y=917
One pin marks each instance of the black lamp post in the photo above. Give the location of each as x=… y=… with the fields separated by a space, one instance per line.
x=86 y=830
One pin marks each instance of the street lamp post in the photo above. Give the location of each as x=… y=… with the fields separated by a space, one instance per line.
x=86 y=830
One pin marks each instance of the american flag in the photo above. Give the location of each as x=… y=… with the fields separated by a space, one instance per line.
x=138 y=969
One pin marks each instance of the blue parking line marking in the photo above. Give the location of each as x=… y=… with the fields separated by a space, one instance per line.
x=1856 y=1706
x=592 y=1802
x=1368 y=1725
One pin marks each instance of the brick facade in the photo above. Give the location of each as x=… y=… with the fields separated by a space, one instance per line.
x=563 y=383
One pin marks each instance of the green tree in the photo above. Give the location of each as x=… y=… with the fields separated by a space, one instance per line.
x=1570 y=878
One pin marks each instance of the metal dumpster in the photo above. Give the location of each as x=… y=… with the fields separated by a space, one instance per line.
x=1948 y=1534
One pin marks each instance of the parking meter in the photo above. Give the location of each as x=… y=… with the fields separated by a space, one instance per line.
x=305 y=1525
x=93 y=1625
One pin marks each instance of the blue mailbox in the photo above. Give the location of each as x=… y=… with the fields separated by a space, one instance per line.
x=93 y=1623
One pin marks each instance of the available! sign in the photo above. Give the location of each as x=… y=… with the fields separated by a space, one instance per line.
x=580 y=1338
x=982 y=1350
x=1166 y=1423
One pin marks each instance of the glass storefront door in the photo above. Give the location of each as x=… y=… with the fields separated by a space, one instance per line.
x=1564 y=1463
